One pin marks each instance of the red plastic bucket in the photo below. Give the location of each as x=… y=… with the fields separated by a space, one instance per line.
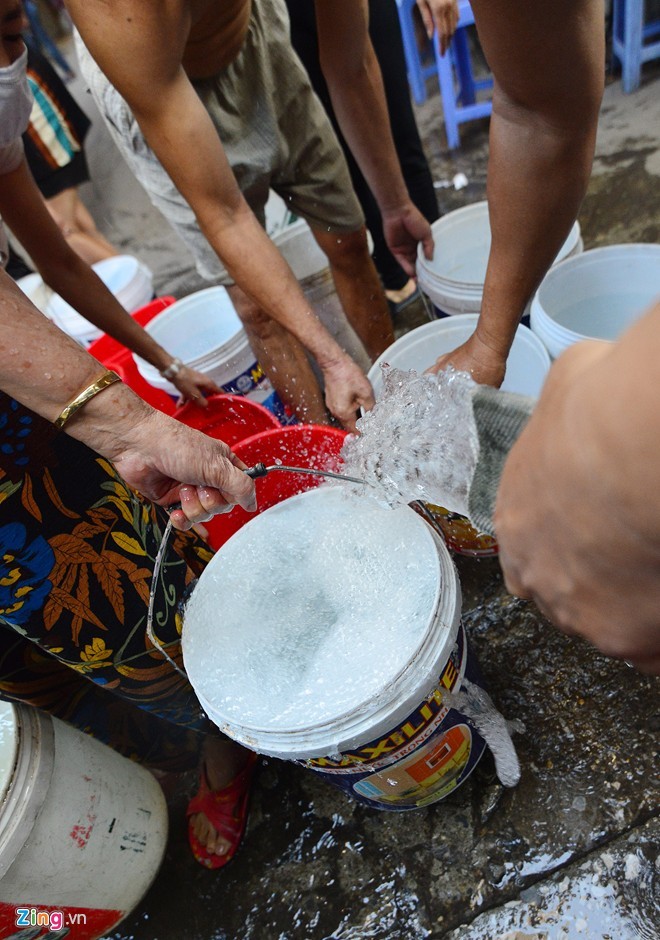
x=115 y=356
x=298 y=445
x=228 y=418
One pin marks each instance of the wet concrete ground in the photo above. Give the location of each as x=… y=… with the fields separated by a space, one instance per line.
x=572 y=851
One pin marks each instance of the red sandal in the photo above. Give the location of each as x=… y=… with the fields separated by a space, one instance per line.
x=226 y=810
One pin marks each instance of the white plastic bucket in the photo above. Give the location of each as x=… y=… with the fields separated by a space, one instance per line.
x=339 y=637
x=206 y=333
x=526 y=369
x=129 y=280
x=454 y=278
x=82 y=830
x=595 y=296
x=309 y=264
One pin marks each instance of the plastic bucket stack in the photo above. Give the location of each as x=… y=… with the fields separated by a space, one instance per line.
x=454 y=278
x=336 y=650
x=597 y=295
x=205 y=332
x=117 y=357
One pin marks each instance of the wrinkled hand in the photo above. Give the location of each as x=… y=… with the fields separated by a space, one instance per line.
x=485 y=365
x=347 y=389
x=170 y=463
x=404 y=228
x=441 y=15
x=573 y=530
x=194 y=386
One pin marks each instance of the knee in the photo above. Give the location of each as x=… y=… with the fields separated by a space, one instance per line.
x=347 y=251
x=255 y=320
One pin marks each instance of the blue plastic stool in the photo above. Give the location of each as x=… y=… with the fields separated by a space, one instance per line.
x=630 y=37
x=417 y=71
x=455 y=68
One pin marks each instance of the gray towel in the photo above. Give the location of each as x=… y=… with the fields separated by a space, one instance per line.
x=500 y=417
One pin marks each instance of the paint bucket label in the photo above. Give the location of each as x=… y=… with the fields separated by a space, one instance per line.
x=252 y=383
x=421 y=760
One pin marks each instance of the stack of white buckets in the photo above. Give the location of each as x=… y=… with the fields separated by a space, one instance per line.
x=128 y=279
x=454 y=278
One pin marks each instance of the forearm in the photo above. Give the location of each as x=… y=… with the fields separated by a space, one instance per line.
x=548 y=65
x=355 y=84
x=618 y=410
x=82 y=288
x=584 y=474
x=537 y=178
x=50 y=372
x=23 y=209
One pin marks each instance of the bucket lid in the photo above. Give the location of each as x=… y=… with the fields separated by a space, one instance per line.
x=8 y=747
x=315 y=617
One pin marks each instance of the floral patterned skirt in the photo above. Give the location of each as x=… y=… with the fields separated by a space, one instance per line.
x=77 y=552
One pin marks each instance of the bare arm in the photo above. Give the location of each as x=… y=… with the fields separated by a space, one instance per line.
x=23 y=209
x=577 y=514
x=548 y=64
x=162 y=458
x=139 y=46
x=355 y=83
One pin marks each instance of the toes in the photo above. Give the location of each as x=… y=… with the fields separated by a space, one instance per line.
x=207 y=836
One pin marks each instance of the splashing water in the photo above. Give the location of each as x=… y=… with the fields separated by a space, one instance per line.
x=477 y=705
x=420 y=441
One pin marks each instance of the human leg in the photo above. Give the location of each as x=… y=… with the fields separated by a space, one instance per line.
x=548 y=64
x=358 y=287
x=283 y=359
x=78 y=227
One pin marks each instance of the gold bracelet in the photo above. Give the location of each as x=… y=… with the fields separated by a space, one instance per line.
x=108 y=378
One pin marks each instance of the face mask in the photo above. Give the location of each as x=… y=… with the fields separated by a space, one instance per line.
x=15 y=100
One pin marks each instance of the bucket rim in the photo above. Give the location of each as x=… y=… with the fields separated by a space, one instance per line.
x=458 y=324
x=33 y=770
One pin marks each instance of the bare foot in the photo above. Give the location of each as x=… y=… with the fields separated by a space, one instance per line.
x=222 y=760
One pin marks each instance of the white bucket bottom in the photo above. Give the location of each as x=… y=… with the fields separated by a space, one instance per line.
x=347 y=671
x=596 y=296
x=454 y=278
x=82 y=831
